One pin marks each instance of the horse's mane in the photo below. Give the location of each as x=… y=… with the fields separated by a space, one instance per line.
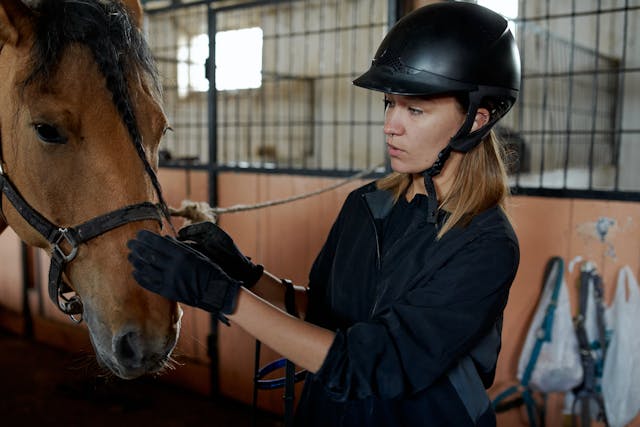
x=117 y=46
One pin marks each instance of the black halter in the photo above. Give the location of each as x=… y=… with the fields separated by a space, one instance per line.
x=73 y=237
x=66 y=240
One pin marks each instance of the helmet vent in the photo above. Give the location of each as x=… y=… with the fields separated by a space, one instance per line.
x=390 y=58
x=391 y=61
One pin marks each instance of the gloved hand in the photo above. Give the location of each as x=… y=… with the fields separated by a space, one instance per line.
x=211 y=240
x=176 y=271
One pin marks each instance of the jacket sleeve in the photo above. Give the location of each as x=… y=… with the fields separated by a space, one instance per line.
x=422 y=335
x=321 y=268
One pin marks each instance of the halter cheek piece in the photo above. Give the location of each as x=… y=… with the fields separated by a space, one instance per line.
x=72 y=238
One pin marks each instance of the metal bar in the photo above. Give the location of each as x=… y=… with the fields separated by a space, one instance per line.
x=594 y=111
x=578 y=132
x=620 y=98
x=545 y=92
x=352 y=96
x=299 y=172
x=629 y=196
x=320 y=97
x=233 y=100
x=27 y=284
x=394 y=9
x=212 y=5
x=567 y=152
x=252 y=4
x=256 y=369
x=581 y=73
x=308 y=139
x=573 y=14
x=522 y=92
x=154 y=10
x=212 y=339
x=290 y=104
x=263 y=114
x=337 y=29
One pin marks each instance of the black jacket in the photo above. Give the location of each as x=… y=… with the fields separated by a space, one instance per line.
x=418 y=322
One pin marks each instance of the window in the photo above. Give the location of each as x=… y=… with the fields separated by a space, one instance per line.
x=192 y=55
x=238 y=59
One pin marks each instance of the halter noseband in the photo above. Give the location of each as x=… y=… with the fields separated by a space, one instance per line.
x=72 y=237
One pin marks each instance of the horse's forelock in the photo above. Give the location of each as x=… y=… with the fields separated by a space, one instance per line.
x=104 y=26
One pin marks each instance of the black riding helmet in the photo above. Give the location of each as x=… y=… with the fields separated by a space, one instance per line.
x=450 y=48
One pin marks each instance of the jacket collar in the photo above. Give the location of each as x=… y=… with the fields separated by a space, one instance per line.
x=380 y=203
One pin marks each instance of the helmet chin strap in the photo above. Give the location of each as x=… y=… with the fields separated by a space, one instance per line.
x=432 y=197
x=464 y=139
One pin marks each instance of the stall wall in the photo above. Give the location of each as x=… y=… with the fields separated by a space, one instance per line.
x=286 y=238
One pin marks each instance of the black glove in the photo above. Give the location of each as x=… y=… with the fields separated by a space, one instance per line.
x=178 y=272
x=211 y=240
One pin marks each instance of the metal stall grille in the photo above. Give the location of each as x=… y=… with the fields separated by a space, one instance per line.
x=574 y=126
x=171 y=31
x=301 y=115
x=575 y=123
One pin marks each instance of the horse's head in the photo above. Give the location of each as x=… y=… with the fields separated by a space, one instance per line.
x=80 y=124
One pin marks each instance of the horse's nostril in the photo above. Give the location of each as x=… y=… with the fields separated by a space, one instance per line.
x=128 y=349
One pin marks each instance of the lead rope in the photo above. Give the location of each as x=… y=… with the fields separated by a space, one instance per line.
x=202 y=211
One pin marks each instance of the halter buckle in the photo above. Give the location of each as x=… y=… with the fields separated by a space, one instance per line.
x=71 y=306
x=64 y=234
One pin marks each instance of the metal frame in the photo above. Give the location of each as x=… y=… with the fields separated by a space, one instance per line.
x=395 y=7
x=597 y=71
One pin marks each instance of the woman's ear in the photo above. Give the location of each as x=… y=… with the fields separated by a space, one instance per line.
x=481 y=119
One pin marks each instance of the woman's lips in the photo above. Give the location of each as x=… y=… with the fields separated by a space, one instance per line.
x=394 y=151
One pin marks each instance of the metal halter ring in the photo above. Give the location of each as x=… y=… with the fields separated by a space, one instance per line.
x=63 y=233
x=72 y=306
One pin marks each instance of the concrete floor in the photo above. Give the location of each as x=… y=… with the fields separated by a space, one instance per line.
x=41 y=386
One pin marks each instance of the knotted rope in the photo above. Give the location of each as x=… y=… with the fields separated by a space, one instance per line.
x=202 y=211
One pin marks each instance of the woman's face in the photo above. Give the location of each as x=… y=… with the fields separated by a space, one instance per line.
x=417 y=129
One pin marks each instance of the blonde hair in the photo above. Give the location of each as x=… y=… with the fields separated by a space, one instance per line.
x=480 y=183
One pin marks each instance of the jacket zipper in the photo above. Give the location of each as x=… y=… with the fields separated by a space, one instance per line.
x=378 y=256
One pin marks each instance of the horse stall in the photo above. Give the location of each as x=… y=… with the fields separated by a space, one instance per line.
x=266 y=123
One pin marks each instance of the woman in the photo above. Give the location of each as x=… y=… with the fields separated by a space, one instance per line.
x=405 y=299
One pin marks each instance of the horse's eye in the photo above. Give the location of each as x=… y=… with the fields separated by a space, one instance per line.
x=49 y=134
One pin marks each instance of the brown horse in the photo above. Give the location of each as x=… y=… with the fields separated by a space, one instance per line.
x=80 y=124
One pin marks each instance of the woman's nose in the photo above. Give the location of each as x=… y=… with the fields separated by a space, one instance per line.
x=392 y=123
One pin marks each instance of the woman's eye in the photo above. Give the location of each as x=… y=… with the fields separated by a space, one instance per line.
x=387 y=103
x=49 y=134
x=415 y=111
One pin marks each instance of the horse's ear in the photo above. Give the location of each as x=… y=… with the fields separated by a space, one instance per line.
x=8 y=31
x=12 y=20
x=135 y=9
